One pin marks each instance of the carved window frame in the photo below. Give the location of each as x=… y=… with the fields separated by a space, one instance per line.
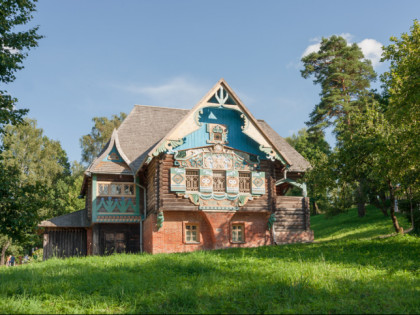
x=221 y=178
x=194 y=177
x=244 y=180
x=110 y=183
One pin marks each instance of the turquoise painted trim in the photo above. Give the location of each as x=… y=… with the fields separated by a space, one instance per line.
x=137 y=208
x=294 y=183
x=94 y=209
x=114 y=150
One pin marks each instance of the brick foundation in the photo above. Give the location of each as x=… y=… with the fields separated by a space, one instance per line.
x=214 y=231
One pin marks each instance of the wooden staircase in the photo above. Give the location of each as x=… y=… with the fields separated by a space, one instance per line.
x=292 y=220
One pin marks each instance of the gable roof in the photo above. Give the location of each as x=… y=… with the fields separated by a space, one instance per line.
x=147 y=127
x=186 y=125
x=143 y=128
x=103 y=166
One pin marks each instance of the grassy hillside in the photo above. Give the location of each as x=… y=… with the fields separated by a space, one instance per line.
x=345 y=272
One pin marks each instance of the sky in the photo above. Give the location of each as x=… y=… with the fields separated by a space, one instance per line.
x=100 y=58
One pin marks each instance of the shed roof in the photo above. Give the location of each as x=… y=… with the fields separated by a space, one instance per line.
x=70 y=220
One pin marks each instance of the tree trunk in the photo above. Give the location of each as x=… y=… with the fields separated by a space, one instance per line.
x=394 y=219
x=383 y=207
x=410 y=197
x=361 y=200
x=3 y=252
x=316 y=208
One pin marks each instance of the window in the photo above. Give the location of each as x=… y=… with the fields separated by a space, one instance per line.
x=192 y=180
x=116 y=189
x=191 y=233
x=217 y=136
x=238 y=233
x=219 y=181
x=244 y=182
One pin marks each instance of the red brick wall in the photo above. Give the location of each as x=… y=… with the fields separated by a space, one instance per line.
x=214 y=231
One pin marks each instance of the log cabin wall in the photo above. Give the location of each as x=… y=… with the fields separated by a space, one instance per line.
x=152 y=186
x=169 y=201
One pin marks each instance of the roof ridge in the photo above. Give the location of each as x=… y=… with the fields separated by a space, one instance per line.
x=154 y=106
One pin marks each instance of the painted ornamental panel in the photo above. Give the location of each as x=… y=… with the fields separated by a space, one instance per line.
x=206 y=180
x=258 y=183
x=178 y=179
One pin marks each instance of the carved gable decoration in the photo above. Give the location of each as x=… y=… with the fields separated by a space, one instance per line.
x=217 y=133
x=113 y=156
x=188 y=132
x=217 y=157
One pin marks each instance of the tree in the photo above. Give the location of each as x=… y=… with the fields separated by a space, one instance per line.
x=93 y=143
x=18 y=208
x=344 y=76
x=402 y=111
x=38 y=159
x=14 y=47
x=313 y=147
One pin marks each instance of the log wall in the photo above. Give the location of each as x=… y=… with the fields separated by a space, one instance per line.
x=169 y=201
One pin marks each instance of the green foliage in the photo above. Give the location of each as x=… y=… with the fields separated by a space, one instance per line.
x=39 y=159
x=18 y=204
x=312 y=146
x=352 y=274
x=344 y=76
x=14 y=46
x=402 y=109
x=101 y=132
x=341 y=198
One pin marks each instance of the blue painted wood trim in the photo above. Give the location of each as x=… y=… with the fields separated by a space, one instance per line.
x=94 y=188
x=137 y=210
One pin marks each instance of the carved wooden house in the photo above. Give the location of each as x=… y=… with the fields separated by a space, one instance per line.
x=175 y=180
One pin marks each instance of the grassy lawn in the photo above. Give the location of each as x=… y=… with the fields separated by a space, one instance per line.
x=347 y=271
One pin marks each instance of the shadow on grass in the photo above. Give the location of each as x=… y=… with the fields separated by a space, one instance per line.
x=223 y=282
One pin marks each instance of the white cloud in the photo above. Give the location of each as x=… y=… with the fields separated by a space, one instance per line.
x=11 y=50
x=371 y=48
x=177 y=92
x=310 y=49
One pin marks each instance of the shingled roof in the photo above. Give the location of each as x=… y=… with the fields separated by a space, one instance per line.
x=147 y=125
x=299 y=162
x=143 y=128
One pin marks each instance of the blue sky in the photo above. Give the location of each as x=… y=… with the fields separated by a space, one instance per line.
x=99 y=58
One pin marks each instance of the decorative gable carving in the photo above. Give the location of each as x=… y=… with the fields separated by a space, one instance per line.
x=219 y=97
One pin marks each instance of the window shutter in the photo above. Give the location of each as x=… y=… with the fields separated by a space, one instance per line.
x=258 y=183
x=206 y=180
x=178 y=181
x=232 y=182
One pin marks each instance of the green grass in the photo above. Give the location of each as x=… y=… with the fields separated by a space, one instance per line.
x=347 y=271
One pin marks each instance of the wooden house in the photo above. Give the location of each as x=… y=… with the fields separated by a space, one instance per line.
x=175 y=180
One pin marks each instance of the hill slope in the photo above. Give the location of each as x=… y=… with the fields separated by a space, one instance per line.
x=345 y=275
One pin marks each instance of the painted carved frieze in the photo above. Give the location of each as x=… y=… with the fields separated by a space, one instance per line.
x=216 y=157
